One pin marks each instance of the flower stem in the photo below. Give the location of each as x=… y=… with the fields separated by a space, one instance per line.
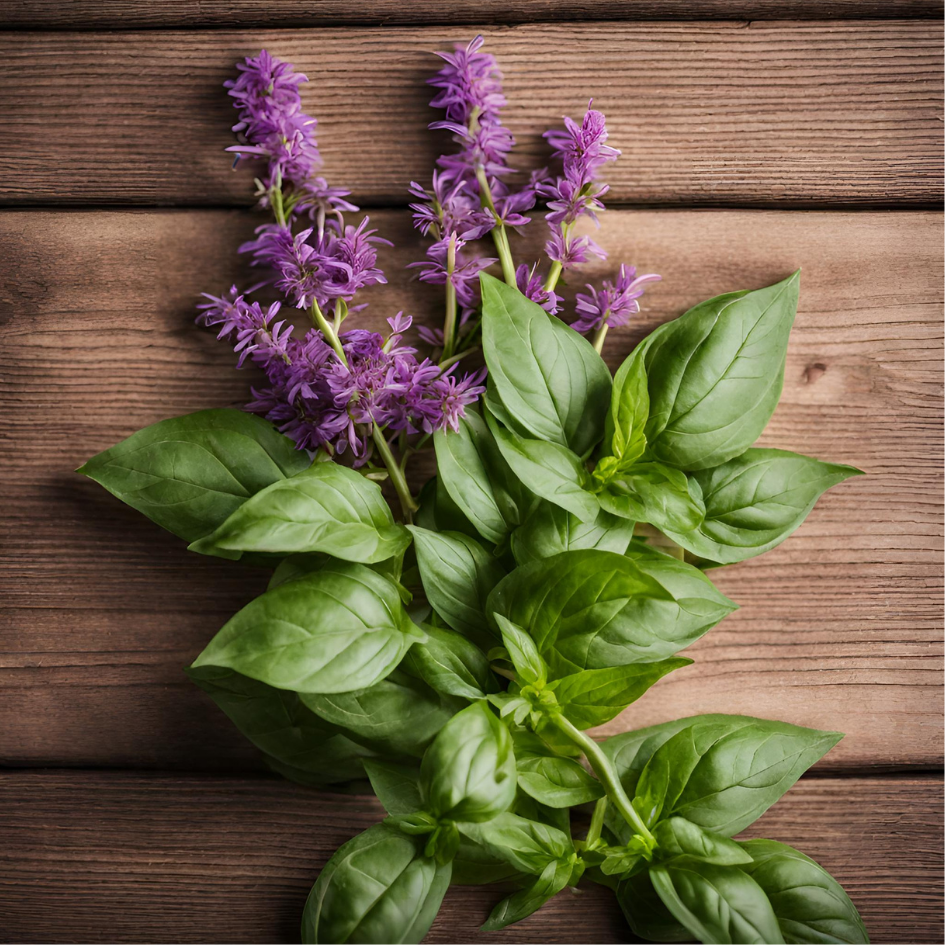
x=499 y=235
x=607 y=776
x=407 y=502
x=599 y=337
x=553 y=276
x=449 y=321
x=331 y=337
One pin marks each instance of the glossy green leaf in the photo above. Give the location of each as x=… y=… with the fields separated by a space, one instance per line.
x=810 y=905
x=399 y=715
x=595 y=696
x=551 y=530
x=595 y=609
x=678 y=838
x=468 y=773
x=718 y=904
x=458 y=574
x=715 y=375
x=754 y=502
x=477 y=478
x=296 y=566
x=451 y=664
x=397 y=786
x=339 y=629
x=474 y=865
x=523 y=903
x=527 y=845
x=326 y=508
x=646 y=915
x=281 y=726
x=723 y=775
x=377 y=888
x=529 y=666
x=654 y=493
x=549 y=470
x=548 y=377
x=190 y=473
x=555 y=781
x=624 y=436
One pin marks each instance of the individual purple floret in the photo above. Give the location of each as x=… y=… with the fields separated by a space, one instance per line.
x=531 y=285
x=613 y=303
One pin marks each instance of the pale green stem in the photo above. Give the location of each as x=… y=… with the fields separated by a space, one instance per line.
x=449 y=322
x=607 y=776
x=553 y=276
x=499 y=235
x=597 y=823
x=599 y=337
x=407 y=502
x=331 y=337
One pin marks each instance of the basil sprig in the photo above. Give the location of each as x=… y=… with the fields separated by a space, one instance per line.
x=459 y=660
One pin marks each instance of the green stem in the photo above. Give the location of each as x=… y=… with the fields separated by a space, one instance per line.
x=553 y=276
x=607 y=776
x=331 y=337
x=407 y=502
x=597 y=823
x=599 y=337
x=449 y=322
x=499 y=235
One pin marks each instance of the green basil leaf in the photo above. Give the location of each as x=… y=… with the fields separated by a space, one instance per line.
x=754 y=502
x=556 y=782
x=282 y=727
x=296 y=566
x=326 y=508
x=810 y=905
x=624 y=438
x=554 y=877
x=474 y=865
x=594 y=609
x=551 y=471
x=655 y=493
x=339 y=629
x=717 y=903
x=595 y=696
x=458 y=575
x=478 y=479
x=451 y=664
x=190 y=473
x=723 y=775
x=397 y=786
x=645 y=913
x=378 y=887
x=527 y=845
x=529 y=666
x=468 y=773
x=715 y=375
x=547 y=376
x=558 y=817
x=398 y=715
x=678 y=838
x=550 y=530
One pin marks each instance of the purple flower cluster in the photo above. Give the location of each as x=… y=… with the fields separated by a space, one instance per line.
x=613 y=303
x=575 y=192
x=320 y=400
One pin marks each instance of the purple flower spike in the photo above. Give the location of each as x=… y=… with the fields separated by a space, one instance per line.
x=614 y=302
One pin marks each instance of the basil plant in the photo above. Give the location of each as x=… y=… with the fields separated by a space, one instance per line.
x=556 y=566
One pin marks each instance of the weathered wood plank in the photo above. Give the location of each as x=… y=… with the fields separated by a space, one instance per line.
x=125 y=857
x=840 y=627
x=710 y=114
x=165 y=14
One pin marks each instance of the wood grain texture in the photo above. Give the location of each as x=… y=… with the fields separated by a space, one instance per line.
x=708 y=114
x=839 y=627
x=126 y=857
x=164 y=14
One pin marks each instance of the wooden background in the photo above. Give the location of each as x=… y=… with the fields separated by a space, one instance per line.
x=130 y=810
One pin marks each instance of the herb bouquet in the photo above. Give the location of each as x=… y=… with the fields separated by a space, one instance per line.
x=456 y=651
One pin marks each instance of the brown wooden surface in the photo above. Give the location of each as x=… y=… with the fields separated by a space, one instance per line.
x=125 y=858
x=127 y=14
x=839 y=627
x=799 y=114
